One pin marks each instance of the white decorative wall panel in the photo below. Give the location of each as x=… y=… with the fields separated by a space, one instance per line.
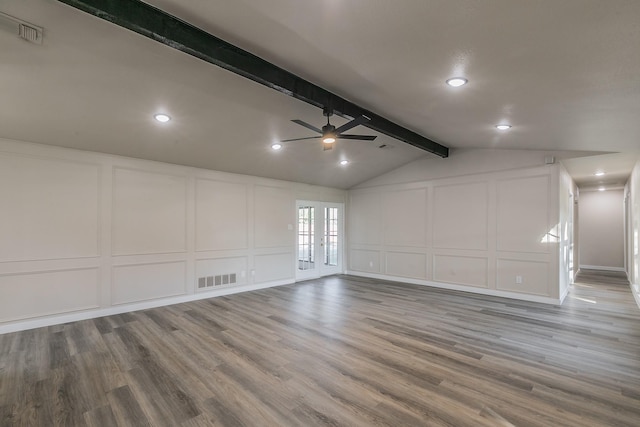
x=44 y=293
x=460 y=216
x=405 y=220
x=534 y=276
x=365 y=218
x=366 y=261
x=406 y=265
x=272 y=267
x=274 y=211
x=132 y=283
x=221 y=215
x=523 y=214
x=149 y=212
x=49 y=209
x=82 y=231
x=461 y=270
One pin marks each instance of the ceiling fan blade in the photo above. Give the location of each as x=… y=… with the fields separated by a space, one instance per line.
x=307 y=125
x=360 y=137
x=353 y=123
x=300 y=139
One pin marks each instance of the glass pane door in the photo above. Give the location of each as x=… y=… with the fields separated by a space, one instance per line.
x=306 y=238
x=318 y=239
x=331 y=236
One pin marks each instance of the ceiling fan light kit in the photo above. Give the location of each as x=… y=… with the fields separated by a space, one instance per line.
x=457 y=81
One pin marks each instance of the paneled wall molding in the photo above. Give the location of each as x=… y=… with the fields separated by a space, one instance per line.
x=524 y=256
x=519 y=199
x=145 y=231
x=399 y=249
x=80 y=287
x=461 y=213
x=142 y=282
x=67 y=199
x=534 y=276
x=406 y=264
x=461 y=270
x=222 y=215
x=199 y=255
x=19 y=267
x=274 y=216
x=149 y=258
x=145 y=201
x=473 y=224
x=461 y=252
x=414 y=206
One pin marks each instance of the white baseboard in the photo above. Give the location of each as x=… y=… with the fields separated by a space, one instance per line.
x=482 y=291
x=40 y=322
x=564 y=294
x=602 y=267
x=635 y=290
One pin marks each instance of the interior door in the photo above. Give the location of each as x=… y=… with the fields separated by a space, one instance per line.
x=319 y=234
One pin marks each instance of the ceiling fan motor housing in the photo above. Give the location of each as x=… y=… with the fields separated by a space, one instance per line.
x=328 y=130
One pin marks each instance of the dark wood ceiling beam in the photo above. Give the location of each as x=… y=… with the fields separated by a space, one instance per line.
x=151 y=22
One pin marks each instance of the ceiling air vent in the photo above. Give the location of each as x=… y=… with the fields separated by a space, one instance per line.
x=29 y=32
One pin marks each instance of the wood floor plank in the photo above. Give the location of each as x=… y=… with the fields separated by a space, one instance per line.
x=337 y=351
x=100 y=417
x=126 y=409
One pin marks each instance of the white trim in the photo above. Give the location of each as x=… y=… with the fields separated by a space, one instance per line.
x=482 y=291
x=91 y=314
x=635 y=290
x=602 y=267
x=564 y=294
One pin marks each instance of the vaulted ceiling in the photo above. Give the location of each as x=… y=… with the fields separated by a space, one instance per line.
x=565 y=75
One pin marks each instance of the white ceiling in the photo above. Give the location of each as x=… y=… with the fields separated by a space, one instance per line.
x=565 y=74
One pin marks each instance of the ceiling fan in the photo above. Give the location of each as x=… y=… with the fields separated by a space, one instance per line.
x=329 y=133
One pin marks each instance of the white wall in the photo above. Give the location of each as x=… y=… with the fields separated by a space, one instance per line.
x=475 y=232
x=602 y=229
x=567 y=267
x=85 y=234
x=461 y=162
x=633 y=233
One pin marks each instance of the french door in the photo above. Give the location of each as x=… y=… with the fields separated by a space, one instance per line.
x=319 y=234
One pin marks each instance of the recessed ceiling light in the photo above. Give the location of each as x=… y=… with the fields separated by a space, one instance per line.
x=503 y=127
x=599 y=173
x=457 y=81
x=601 y=189
x=162 y=118
x=276 y=146
x=344 y=162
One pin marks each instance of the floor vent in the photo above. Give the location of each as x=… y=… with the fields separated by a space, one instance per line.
x=219 y=280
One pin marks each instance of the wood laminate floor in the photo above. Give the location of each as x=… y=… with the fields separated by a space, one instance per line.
x=340 y=351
